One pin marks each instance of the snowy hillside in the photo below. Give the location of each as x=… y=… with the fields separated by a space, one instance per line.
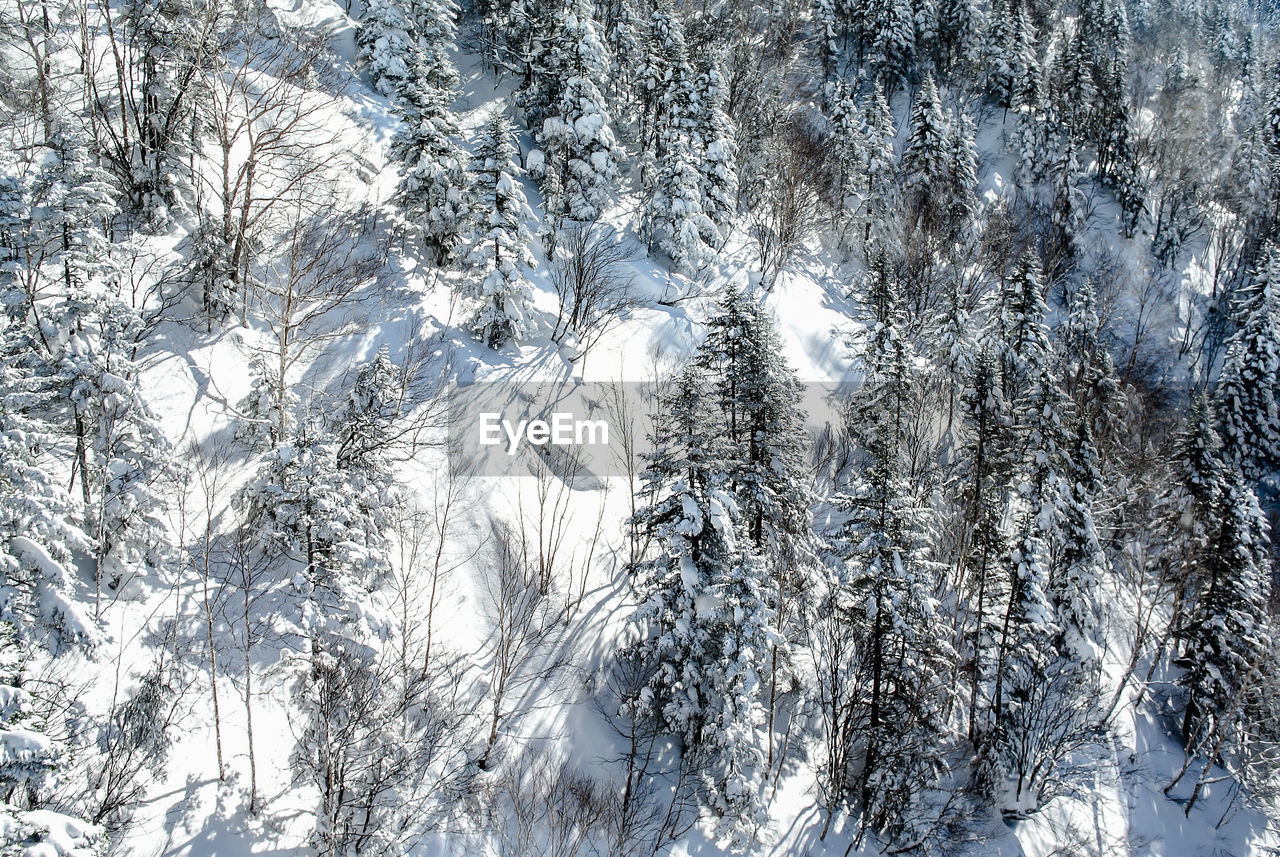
x=910 y=383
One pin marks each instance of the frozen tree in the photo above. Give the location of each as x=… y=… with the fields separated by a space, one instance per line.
x=142 y=106
x=766 y=458
x=678 y=223
x=1248 y=407
x=714 y=134
x=846 y=149
x=1046 y=681
x=676 y=216
x=433 y=177
x=1225 y=635
x=1080 y=566
x=40 y=612
x=985 y=464
x=384 y=37
x=958 y=34
x=267 y=411
x=704 y=615
x=581 y=152
x=1011 y=63
x=928 y=166
x=887 y=600
x=891 y=32
x=880 y=167
x=500 y=239
x=30 y=759
x=569 y=115
x=625 y=37
x=121 y=453
x=828 y=30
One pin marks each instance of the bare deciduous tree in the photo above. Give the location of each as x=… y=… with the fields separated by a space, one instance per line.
x=589 y=274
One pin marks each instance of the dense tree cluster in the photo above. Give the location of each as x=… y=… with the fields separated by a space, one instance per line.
x=1054 y=228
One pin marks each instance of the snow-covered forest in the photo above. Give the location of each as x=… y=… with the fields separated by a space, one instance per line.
x=939 y=341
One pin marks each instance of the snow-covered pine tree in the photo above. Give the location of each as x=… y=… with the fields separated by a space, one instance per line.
x=30 y=758
x=663 y=62
x=845 y=147
x=828 y=38
x=927 y=163
x=1198 y=480
x=1080 y=565
x=625 y=37
x=676 y=221
x=888 y=601
x=678 y=224
x=891 y=29
x=266 y=413
x=304 y=504
x=432 y=192
x=881 y=211
x=704 y=613
x=500 y=238
x=384 y=37
x=957 y=35
x=121 y=453
x=1225 y=635
x=767 y=461
x=364 y=426
x=1046 y=674
x=1010 y=49
x=714 y=134
x=570 y=117
x=39 y=611
x=982 y=484
x=1248 y=403
x=435 y=23
x=1087 y=369
x=1067 y=215
x=160 y=47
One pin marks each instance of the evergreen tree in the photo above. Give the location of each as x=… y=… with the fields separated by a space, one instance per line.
x=985 y=466
x=888 y=599
x=39 y=612
x=846 y=148
x=569 y=115
x=1011 y=57
x=880 y=167
x=1248 y=405
x=31 y=759
x=433 y=183
x=938 y=165
x=714 y=135
x=705 y=609
x=891 y=29
x=1225 y=635
x=121 y=453
x=957 y=33
x=500 y=251
x=766 y=459
x=1046 y=681
x=384 y=37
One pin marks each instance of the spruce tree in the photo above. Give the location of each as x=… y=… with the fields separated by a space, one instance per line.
x=500 y=252
x=1248 y=405
x=888 y=598
x=704 y=608
x=432 y=191
x=1225 y=634
x=767 y=466
x=384 y=38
